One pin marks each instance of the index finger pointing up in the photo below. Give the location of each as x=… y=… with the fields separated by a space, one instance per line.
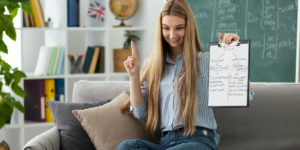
x=133 y=50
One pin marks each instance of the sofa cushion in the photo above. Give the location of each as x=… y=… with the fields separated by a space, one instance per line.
x=108 y=127
x=72 y=135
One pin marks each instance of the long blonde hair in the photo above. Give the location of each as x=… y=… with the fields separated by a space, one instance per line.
x=152 y=72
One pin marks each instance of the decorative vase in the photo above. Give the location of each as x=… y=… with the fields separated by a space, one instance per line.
x=4 y=146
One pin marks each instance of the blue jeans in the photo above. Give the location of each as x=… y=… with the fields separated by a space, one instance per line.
x=202 y=139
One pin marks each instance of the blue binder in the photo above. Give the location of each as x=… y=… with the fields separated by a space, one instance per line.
x=72 y=13
x=60 y=90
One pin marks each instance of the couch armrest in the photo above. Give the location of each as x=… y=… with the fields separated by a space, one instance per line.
x=48 y=140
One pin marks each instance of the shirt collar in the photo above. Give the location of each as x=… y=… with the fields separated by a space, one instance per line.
x=169 y=60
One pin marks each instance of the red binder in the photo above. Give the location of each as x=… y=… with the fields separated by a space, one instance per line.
x=34 y=102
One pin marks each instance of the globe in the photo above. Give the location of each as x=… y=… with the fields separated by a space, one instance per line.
x=123 y=9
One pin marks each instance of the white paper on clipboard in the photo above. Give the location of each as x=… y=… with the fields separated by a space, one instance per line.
x=229 y=74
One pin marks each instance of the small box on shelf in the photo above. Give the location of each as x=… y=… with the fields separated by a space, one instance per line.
x=120 y=55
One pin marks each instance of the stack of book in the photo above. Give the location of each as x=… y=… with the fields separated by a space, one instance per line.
x=38 y=92
x=50 y=61
x=37 y=20
x=94 y=60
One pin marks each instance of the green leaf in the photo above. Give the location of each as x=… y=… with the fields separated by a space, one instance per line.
x=17 y=75
x=4 y=3
x=2 y=119
x=5 y=66
x=8 y=78
x=10 y=101
x=6 y=110
x=5 y=22
x=11 y=31
x=13 y=8
x=27 y=7
x=1 y=35
x=3 y=47
x=18 y=90
x=1 y=84
x=2 y=10
x=19 y=106
x=3 y=94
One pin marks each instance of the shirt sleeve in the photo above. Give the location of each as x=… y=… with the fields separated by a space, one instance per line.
x=140 y=111
x=251 y=93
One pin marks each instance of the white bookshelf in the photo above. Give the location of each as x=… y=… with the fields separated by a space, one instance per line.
x=75 y=40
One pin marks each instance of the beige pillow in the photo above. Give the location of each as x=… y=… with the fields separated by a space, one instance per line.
x=107 y=127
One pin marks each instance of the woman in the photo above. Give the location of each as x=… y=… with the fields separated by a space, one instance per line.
x=172 y=85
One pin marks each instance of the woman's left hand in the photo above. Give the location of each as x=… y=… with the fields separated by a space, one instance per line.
x=228 y=37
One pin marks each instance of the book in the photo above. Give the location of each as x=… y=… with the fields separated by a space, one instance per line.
x=94 y=60
x=37 y=12
x=101 y=61
x=34 y=101
x=56 y=61
x=26 y=18
x=88 y=58
x=43 y=60
x=24 y=24
x=49 y=96
x=72 y=13
x=60 y=90
x=52 y=61
x=78 y=13
x=31 y=21
x=60 y=69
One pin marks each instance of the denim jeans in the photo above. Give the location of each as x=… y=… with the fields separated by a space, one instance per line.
x=202 y=139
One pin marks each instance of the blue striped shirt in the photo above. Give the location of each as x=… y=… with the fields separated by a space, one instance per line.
x=168 y=99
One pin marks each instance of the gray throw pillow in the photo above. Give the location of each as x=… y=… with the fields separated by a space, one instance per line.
x=72 y=135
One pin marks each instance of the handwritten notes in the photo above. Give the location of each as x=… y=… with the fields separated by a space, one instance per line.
x=228 y=75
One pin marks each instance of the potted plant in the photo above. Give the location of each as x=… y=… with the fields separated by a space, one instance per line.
x=120 y=55
x=11 y=76
x=49 y=23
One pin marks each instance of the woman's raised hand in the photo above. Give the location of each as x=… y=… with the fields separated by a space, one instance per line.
x=228 y=37
x=132 y=64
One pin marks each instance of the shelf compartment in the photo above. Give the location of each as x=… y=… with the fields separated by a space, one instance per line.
x=30 y=124
x=31 y=76
x=86 y=75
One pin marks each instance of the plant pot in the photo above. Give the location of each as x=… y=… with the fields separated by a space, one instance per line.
x=4 y=146
x=120 y=55
x=49 y=24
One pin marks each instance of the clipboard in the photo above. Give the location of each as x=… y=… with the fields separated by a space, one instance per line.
x=229 y=71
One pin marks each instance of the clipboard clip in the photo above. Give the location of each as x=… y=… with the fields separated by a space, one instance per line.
x=233 y=43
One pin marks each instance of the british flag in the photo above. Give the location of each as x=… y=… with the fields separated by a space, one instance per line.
x=96 y=10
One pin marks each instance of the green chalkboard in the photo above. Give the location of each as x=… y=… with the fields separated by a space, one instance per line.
x=271 y=25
